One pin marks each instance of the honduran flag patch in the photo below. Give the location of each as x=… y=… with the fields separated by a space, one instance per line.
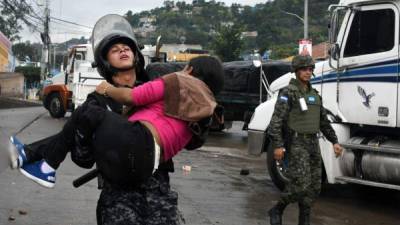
x=283 y=98
x=311 y=99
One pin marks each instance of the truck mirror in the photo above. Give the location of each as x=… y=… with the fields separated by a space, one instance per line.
x=333 y=27
x=158 y=47
x=334 y=51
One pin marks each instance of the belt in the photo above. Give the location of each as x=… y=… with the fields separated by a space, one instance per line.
x=295 y=134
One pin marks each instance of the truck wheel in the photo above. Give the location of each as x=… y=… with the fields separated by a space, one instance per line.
x=56 y=108
x=277 y=170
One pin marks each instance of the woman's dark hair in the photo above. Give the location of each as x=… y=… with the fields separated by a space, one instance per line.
x=208 y=69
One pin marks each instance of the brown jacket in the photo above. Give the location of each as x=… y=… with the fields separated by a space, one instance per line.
x=187 y=98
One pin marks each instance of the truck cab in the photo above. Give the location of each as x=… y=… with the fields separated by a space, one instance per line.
x=79 y=80
x=359 y=86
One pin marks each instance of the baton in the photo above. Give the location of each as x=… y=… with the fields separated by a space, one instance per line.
x=85 y=178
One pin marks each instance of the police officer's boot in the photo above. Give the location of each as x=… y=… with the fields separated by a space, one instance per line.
x=304 y=214
x=275 y=214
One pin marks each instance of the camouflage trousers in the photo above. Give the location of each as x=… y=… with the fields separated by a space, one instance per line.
x=304 y=171
x=151 y=203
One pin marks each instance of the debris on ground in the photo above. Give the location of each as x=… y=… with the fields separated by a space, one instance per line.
x=186 y=168
x=244 y=172
x=22 y=212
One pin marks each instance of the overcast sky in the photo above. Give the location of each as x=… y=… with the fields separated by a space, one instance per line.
x=87 y=12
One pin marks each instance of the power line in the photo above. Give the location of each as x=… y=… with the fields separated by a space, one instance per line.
x=34 y=20
x=66 y=25
x=37 y=3
x=36 y=17
x=70 y=30
x=31 y=9
x=65 y=21
x=39 y=8
x=66 y=28
x=29 y=23
x=35 y=26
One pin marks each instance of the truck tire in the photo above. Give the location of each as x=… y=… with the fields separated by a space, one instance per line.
x=56 y=107
x=277 y=170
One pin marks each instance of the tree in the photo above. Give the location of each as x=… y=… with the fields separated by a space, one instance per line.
x=228 y=43
x=24 y=50
x=181 y=5
x=284 y=50
x=276 y=29
x=132 y=18
x=12 y=13
x=31 y=74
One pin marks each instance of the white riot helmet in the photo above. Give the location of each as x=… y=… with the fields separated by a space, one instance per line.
x=109 y=30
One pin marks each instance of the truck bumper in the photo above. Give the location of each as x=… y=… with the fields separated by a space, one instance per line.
x=256 y=142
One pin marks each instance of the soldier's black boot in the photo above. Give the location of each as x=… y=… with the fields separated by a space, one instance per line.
x=275 y=214
x=304 y=214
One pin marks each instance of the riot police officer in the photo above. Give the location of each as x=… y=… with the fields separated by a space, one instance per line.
x=149 y=201
x=134 y=161
x=300 y=114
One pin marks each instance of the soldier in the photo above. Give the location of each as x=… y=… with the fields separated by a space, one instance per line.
x=299 y=116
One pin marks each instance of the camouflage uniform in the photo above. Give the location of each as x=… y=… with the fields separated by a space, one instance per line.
x=303 y=151
x=150 y=203
x=295 y=127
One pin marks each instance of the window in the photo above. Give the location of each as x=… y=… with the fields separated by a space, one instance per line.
x=372 y=31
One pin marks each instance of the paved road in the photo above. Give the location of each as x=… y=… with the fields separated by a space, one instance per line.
x=6 y=103
x=213 y=192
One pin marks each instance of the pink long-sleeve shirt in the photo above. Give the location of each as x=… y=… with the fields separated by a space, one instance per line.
x=174 y=133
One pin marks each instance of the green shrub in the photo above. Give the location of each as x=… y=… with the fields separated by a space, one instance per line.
x=31 y=74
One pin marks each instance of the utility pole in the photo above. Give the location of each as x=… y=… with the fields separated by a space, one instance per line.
x=305 y=42
x=306 y=19
x=44 y=64
x=54 y=56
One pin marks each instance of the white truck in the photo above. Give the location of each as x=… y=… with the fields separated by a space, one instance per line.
x=359 y=85
x=79 y=80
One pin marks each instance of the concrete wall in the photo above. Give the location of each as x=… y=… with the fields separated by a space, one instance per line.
x=12 y=84
x=320 y=51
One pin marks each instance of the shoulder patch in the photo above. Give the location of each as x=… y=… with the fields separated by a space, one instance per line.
x=283 y=98
x=311 y=99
